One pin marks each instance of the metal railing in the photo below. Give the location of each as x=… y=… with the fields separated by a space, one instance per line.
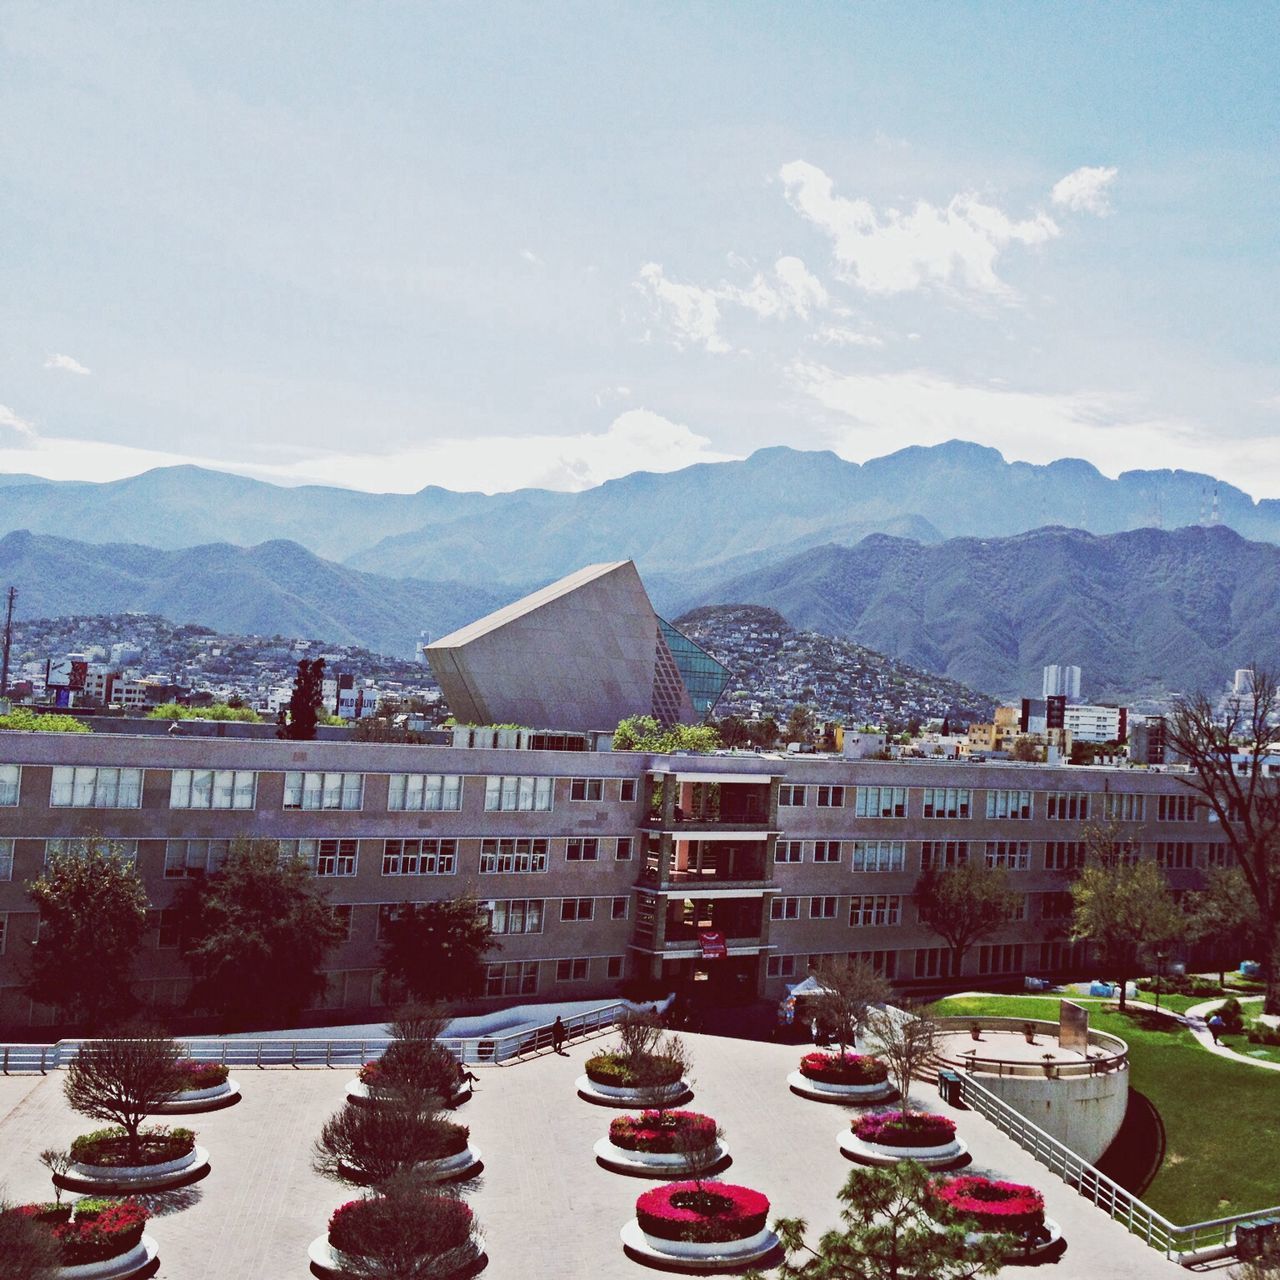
x=495 y=1048
x=1196 y=1242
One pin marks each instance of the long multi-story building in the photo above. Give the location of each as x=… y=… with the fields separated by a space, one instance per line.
x=736 y=871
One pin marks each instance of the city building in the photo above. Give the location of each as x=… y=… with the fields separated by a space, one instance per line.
x=581 y=654
x=1059 y=679
x=1096 y=724
x=727 y=875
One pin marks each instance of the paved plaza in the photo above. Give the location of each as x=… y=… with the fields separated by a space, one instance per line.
x=548 y=1211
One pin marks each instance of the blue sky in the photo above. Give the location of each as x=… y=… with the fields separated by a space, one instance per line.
x=485 y=246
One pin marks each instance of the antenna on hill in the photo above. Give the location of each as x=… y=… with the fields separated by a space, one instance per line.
x=1215 y=516
x=8 y=642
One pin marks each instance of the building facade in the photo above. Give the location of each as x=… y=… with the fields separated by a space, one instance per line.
x=734 y=871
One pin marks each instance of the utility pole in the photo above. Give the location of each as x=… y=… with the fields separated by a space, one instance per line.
x=8 y=643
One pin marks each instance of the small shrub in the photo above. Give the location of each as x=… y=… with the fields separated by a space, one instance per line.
x=660 y=1132
x=1260 y=1033
x=1232 y=1016
x=100 y=1229
x=191 y=1074
x=717 y=1212
x=440 y=1224
x=644 y=1071
x=853 y=1068
x=112 y=1147
x=902 y=1129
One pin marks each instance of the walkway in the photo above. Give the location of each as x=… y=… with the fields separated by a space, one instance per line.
x=1195 y=1023
x=549 y=1212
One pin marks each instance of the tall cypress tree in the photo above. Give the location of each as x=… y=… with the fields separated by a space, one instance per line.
x=305 y=702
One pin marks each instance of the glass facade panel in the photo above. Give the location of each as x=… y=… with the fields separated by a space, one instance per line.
x=703 y=675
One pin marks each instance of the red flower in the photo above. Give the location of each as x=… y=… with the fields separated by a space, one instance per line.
x=98 y=1233
x=852 y=1068
x=991 y=1205
x=657 y=1132
x=719 y=1212
x=900 y=1129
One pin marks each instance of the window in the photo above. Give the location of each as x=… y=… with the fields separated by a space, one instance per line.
x=830 y=797
x=868 y=910
x=513 y=915
x=1175 y=854
x=622 y=849
x=879 y=855
x=823 y=908
x=582 y=849
x=613 y=967
x=627 y=792
x=943 y=853
x=514 y=978
x=508 y=794
x=586 y=788
x=1056 y=906
x=10 y=784
x=996 y=958
x=947 y=802
x=1124 y=808
x=342 y=918
x=1012 y=855
x=880 y=802
x=784 y=909
x=885 y=963
x=6 y=859
x=79 y=846
x=789 y=795
x=4 y=931
x=788 y=851
x=425 y=792
x=326 y=857
x=574 y=970
x=510 y=856
x=212 y=789
x=781 y=966
x=1218 y=854
x=1067 y=806
x=826 y=851
x=170 y=935
x=618 y=908
x=577 y=909
x=84 y=787
x=1065 y=855
x=932 y=962
x=323 y=790
x=1008 y=804
x=1177 y=809
x=188 y=858
x=419 y=857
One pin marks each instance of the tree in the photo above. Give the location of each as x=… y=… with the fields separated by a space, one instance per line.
x=438 y=949
x=888 y=1234
x=374 y=1145
x=1026 y=751
x=28 y=1248
x=93 y=913
x=415 y=1059
x=306 y=702
x=764 y=733
x=256 y=933
x=849 y=989
x=123 y=1080
x=1228 y=754
x=1122 y=905
x=25 y=720
x=646 y=733
x=801 y=725
x=963 y=904
x=907 y=1040
x=1224 y=914
x=657 y=1096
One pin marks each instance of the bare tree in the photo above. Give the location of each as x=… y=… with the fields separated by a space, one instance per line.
x=639 y=1033
x=849 y=989
x=698 y=1158
x=27 y=1247
x=57 y=1162
x=653 y=1094
x=123 y=1080
x=1228 y=753
x=373 y=1145
x=908 y=1039
x=416 y=1060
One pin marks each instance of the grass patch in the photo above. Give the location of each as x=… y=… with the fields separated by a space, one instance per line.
x=1221 y=1118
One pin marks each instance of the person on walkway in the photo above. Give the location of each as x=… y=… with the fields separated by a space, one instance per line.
x=557 y=1035
x=1216 y=1026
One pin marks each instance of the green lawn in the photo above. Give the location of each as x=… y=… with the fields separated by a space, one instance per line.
x=1221 y=1118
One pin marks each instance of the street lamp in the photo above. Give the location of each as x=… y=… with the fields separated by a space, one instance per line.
x=1161 y=957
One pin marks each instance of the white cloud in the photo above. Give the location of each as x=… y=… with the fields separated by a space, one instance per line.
x=692 y=313
x=68 y=364
x=837 y=335
x=1086 y=190
x=889 y=251
x=10 y=422
x=529 y=256
x=1115 y=433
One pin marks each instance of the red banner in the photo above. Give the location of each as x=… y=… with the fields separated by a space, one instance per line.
x=713 y=945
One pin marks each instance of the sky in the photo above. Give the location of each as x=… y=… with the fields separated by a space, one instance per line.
x=496 y=245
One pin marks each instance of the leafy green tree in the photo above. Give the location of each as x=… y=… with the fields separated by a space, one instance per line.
x=801 y=726
x=438 y=949
x=1224 y=914
x=887 y=1233
x=306 y=702
x=24 y=720
x=646 y=733
x=964 y=904
x=764 y=733
x=214 y=711
x=93 y=914
x=256 y=933
x=1121 y=904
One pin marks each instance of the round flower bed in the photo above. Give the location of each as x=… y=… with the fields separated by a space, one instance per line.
x=617 y=1081
x=96 y=1238
x=105 y=1160
x=653 y=1144
x=836 y=1077
x=201 y=1086
x=429 y=1068
x=889 y=1136
x=444 y=1231
x=989 y=1205
x=709 y=1228
x=192 y=1074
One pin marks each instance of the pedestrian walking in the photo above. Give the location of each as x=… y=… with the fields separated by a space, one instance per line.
x=557 y=1035
x=1216 y=1026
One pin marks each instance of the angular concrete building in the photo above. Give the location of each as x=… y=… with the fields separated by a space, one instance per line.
x=580 y=654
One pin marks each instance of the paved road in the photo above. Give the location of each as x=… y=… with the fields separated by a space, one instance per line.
x=548 y=1210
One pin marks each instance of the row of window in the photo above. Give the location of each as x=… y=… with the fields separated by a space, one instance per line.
x=520 y=977
x=866 y=910
x=525 y=915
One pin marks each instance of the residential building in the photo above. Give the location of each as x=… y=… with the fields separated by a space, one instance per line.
x=1060 y=679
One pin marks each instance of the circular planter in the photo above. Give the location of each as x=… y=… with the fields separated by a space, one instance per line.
x=146 y=1177
x=362 y=1095
x=121 y=1267
x=721 y=1255
x=612 y=1095
x=856 y=1094
x=333 y=1262
x=463 y=1164
x=190 y=1101
x=1031 y=1248
x=649 y=1164
x=878 y=1154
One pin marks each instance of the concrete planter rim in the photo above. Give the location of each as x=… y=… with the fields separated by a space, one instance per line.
x=645 y=1164
x=194 y=1100
x=873 y=1153
x=724 y=1255
x=820 y=1091
x=122 y=1266
x=618 y=1096
x=101 y=1177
